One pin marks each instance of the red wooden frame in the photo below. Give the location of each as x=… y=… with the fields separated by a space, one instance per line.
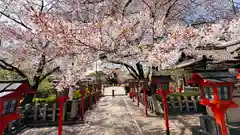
x=16 y=94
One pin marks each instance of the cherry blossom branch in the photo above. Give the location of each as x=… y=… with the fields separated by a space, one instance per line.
x=5 y=65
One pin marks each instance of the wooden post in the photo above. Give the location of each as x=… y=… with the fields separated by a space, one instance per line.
x=73 y=109
x=61 y=104
x=45 y=111
x=180 y=104
x=54 y=113
x=194 y=103
x=82 y=107
x=90 y=95
x=64 y=110
x=187 y=104
x=145 y=101
x=36 y=105
x=10 y=124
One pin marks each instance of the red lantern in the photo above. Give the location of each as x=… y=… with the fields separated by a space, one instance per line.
x=132 y=84
x=216 y=92
x=132 y=94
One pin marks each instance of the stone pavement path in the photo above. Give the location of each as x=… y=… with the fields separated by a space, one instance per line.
x=120 y=116
x=154 y=125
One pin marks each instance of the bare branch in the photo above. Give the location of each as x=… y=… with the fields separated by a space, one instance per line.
x=10 y=67
x=16 y=21
x=168 y=10
x=42 y=6
x=92 y=2
x=49 y=73
x=126 y=65
x=125 y=7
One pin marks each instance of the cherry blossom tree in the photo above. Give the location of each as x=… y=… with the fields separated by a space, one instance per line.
x=155 y=31
x=36 y=42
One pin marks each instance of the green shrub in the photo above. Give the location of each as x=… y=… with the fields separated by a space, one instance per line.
x=50 y=99
x=45 y=86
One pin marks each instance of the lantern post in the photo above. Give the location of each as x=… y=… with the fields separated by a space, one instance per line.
x=216 y=93
x=137 y=91
x=144 y=84
x=95 y=95
x=90 y=92
x=163 y=90
x=96 y=92
x=62 y=97
x=82 y=90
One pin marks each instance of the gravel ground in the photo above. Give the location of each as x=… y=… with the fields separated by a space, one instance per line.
x=120 y=116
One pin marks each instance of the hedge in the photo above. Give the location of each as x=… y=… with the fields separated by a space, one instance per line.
x=49 y=99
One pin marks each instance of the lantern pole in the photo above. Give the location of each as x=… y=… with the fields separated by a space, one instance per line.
x=61 y=102
x=132 y=91
x=164 y=94
x=61 y=98
x=145 y=96
x=165 y=106
x=220 y=119
x=82 y=101
x=90 y=95
x=137 y=84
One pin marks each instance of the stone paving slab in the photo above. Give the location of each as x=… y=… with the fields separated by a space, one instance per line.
x=154 y=125
x=120 y=116
x=110 y=117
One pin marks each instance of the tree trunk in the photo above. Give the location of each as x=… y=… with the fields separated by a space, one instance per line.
x=29 y=97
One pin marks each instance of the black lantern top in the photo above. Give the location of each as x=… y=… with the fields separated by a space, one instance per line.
x=144 y=83
x=162 y=81
x=132 y=82
x=161 y=78
x=214 y=84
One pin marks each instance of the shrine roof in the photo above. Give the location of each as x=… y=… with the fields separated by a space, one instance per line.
x=10 y=85
x=217 y=76
x=2 y=94
x=192 y=62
